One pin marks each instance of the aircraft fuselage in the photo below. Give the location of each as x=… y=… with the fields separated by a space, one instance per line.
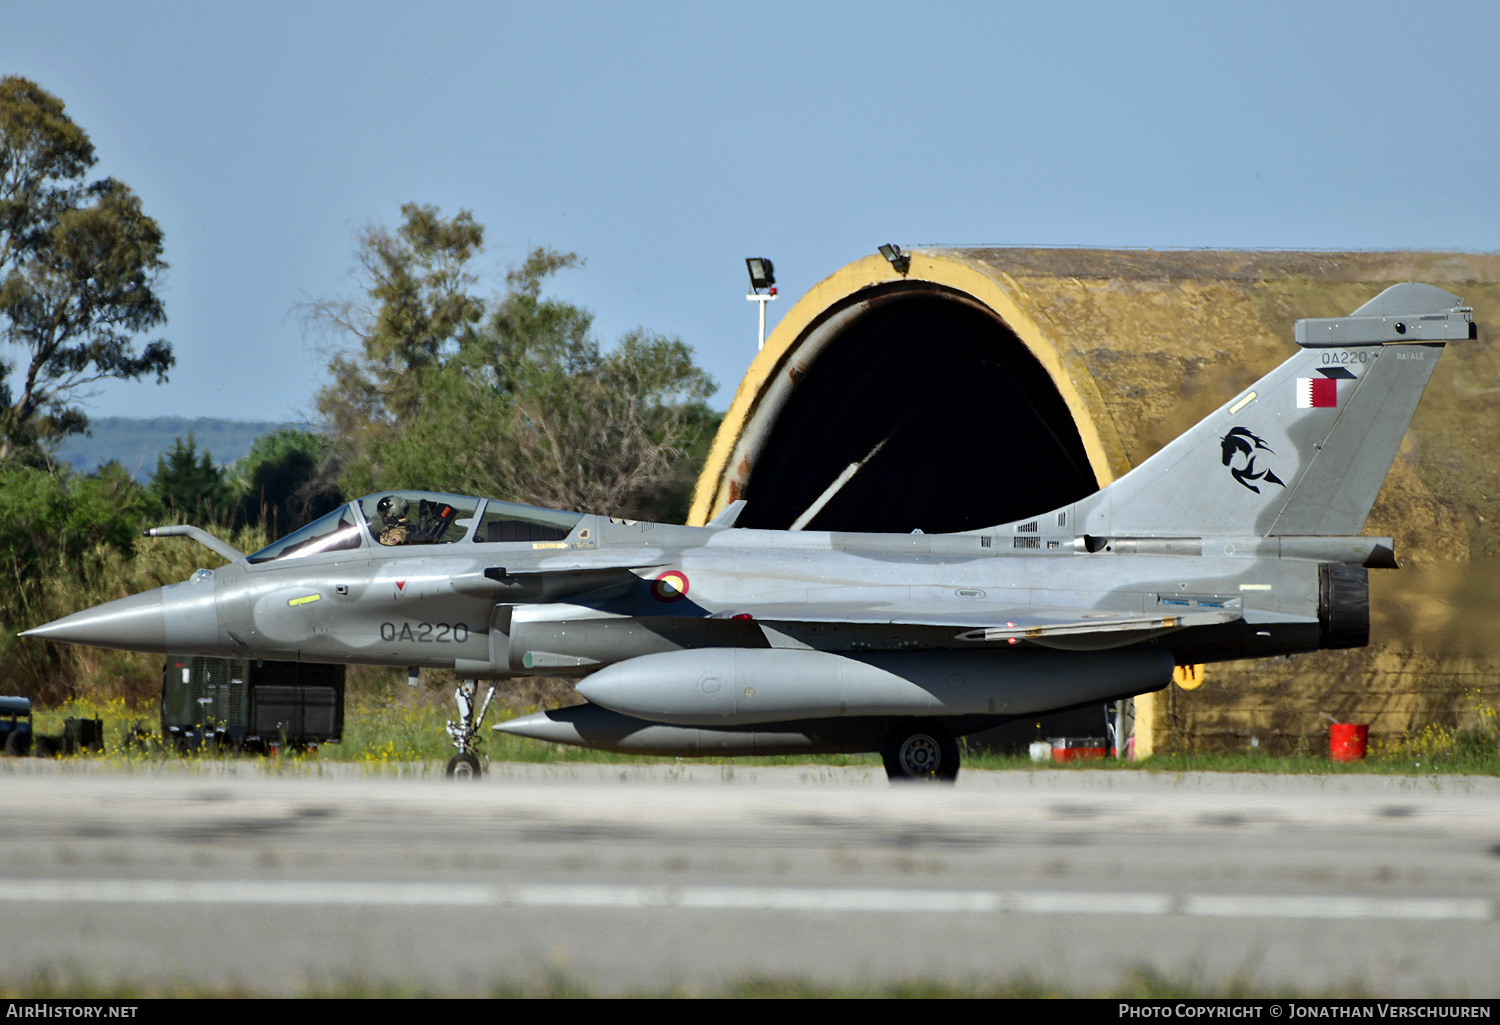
x=432 y=607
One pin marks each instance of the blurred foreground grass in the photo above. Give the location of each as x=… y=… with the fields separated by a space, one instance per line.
x=1140 y=983
x=391 y=727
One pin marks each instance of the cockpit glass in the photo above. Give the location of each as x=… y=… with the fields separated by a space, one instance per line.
x=507 y=521
x=418 y=517
x=335 y=532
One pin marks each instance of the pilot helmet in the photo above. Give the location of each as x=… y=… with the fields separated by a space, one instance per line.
x=392 y=507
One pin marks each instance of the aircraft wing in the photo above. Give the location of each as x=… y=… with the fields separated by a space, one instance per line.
x=988 y=623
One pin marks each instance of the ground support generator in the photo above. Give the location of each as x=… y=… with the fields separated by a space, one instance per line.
x=257 y=705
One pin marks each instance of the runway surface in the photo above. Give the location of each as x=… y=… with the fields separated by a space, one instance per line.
x=640 y=878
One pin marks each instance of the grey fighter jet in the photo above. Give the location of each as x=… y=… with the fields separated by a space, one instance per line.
x=1240 y=539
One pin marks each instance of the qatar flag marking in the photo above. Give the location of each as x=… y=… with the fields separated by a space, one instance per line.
x=1317 y=393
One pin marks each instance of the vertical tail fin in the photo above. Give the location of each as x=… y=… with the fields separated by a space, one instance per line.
x=1305 y=450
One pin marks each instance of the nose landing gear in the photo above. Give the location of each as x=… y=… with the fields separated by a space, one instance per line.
x=465 y=730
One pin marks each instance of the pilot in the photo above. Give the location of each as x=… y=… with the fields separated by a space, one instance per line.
x=398 y=529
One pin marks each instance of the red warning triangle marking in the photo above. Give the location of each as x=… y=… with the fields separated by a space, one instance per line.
x=401 y=585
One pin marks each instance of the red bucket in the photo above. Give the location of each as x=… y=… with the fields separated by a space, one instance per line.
x=1346 y=741
x=1072 y=749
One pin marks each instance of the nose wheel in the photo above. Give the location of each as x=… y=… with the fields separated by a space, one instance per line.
x=916 y=750
x=464 y=730
x=464 y=766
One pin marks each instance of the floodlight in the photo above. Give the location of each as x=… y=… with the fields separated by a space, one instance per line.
x=762 y=272
x=895 y=257
x=762 y=288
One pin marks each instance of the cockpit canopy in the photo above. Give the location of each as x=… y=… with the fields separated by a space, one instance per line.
x=389 y=519
x=417 y=517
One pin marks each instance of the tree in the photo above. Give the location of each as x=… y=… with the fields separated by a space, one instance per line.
x=189 y=486
x=415 y=307
x=276 y=483
x=523 y=404
x=598 y=431
x=55 y=530
x=50 y=521
x=79 y=265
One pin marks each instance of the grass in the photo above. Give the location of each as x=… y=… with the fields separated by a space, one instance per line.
x=394 y=728
x=1140 y=983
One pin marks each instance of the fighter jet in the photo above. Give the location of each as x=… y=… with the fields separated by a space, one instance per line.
x=1239 y=539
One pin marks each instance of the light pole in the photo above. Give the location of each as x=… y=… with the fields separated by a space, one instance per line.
x=762 y=289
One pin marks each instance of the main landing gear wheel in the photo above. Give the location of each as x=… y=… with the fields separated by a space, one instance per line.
x=917 y=750
x=463 y=766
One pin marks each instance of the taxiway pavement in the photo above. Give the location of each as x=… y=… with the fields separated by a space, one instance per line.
x=646 y=877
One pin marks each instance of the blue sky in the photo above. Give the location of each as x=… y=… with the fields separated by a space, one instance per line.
x=665 y=142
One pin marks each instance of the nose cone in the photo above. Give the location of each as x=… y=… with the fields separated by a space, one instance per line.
x=136 y=623
x=179 y=619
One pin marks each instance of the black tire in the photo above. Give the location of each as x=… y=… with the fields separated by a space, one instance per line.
x=18 y=744
x=920 y=751
x=464 y=766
